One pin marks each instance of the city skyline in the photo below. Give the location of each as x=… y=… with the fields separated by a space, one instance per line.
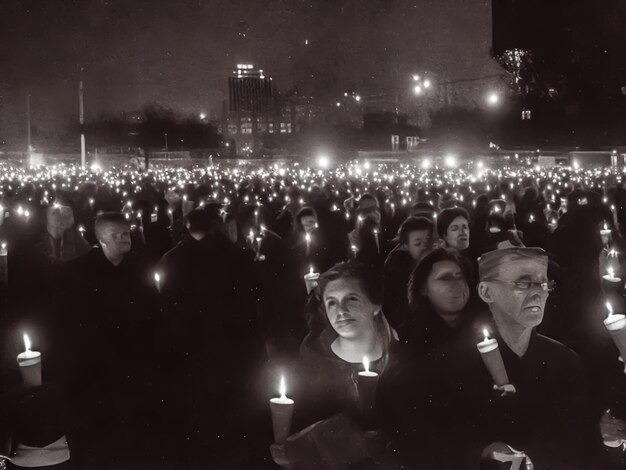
x=180 y=55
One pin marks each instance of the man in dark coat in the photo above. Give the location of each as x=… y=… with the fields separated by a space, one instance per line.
x=215 y=350
x=542 y=412
x=109 y=313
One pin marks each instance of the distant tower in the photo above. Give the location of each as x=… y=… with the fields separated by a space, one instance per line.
x=250 y=105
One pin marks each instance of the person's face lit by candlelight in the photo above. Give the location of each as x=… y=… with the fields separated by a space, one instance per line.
x=447 y=290
x=349 y=310
x=309 y=223
x=418 y=243
x=457 y=235
x=517 y=292
x=114 y=237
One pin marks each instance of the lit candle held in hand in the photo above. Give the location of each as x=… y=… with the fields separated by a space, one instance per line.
x=610 y=280
x=490 y=354
x=605 y=233
x=307 y=238
x=310 y=280
x=30 y=365
x=367 y=384
x=4 y=265
x=282 y=411
x=157 y=281
x=616 y=324
x=377 y=241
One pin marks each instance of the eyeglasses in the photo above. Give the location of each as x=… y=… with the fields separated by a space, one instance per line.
x=527 y=285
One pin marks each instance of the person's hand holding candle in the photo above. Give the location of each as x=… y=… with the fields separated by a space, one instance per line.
x=310 y=280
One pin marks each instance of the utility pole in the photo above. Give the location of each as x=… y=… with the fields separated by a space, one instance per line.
x=81 y=118
x=28 y=136
x=167 y=150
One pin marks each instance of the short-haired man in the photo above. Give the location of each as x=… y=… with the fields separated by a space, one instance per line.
x=110 y=310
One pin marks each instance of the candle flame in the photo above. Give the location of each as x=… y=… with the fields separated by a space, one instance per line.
x=311 y=270
x=282 y=388
x=611 y=271
x=3 y=246
x=609 y=308
x=26 y=342
x=606 y=227
x=157 y=277
x=307 y=237
x=486 y=334
x=366 y=363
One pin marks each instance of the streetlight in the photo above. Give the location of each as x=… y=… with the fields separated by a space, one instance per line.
x=418 y=89
x=357 y=98
x=450 y=161
x=493 y=99
x=167 y=152
x=202 y=116
x=323 y=161
x=427 y=83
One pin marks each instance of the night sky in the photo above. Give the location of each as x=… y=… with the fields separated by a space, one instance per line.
x=179 y=53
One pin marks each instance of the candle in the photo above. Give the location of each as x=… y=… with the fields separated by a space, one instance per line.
x=492 y=359
x=4 y=265
x=30 y=364
x=157 y=281
x=366 y=385
x=611 y=279
x=282 y=411
x=605 y=233
x=307 y=238
x=616 y=324
x=310 y=280
x=81 y=230
x=355 y=250
x=377 y=241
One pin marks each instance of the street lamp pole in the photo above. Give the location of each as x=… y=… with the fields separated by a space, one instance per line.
x=28 y=135
x=81 y=118
x=167 y=151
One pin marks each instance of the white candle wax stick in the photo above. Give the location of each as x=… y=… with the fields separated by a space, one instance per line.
x=492 y=359
x=282 y=411
x=616 y=325
x=4 y=264
x=30 y=365
x=366 y=385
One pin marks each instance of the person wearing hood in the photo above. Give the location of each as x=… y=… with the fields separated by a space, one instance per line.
x=415 y=240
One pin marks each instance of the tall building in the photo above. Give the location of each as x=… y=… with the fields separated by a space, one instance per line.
x=254 y=108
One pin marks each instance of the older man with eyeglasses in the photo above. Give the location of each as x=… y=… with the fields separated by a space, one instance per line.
x=543 y=414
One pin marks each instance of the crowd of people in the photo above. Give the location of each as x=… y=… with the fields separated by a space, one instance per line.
x=168 y=304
